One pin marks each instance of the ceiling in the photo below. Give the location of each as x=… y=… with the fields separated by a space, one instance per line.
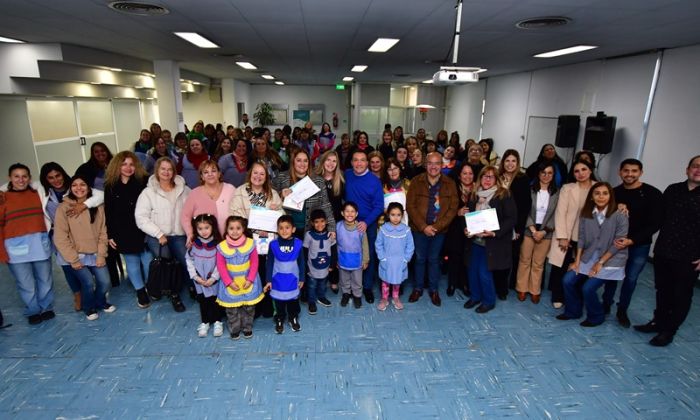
x=318 y=41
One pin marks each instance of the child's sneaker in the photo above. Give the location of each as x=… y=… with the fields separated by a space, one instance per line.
x=109 y=308
x=325 y=302
x=203 y=329
x=279 y=326
x=218 y=329
x=357 y=302
x=235 y=336
x=345 y=299
x=383 y=304
x=247 y=334
x=312 y=308
x=294 y=323
x=397 y=303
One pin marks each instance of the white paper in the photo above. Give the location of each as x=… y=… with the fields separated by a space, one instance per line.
x=302 y=190
x=482 y=220
x=396 y=197
x=261 y=218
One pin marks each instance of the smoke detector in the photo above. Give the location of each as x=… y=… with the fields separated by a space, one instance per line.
x=543 y=22
x=138 y=8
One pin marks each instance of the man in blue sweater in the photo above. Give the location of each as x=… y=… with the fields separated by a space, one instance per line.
x=365 y=189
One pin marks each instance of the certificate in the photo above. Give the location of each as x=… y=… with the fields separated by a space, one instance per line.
x=396 y=197
x=479 y=221
x=302 y=190
x=261 y=218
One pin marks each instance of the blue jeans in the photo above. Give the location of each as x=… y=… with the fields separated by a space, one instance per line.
x=174 y=248
x=72 y=280
x=636 y=259
x=480 y=278
x=371 y=270
x=315 y=288
x=579 y=289
x=428 y=250
x=35 y=285
x=93 y=295
x=136 y=266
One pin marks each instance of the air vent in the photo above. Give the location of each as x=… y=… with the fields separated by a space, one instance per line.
x=543 y=22
x=139 y=9
x=401 y=75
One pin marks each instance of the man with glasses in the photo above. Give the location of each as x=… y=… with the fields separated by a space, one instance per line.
x=431 y=204
x=676 y=257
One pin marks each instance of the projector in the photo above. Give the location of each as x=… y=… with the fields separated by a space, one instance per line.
x=455 y=76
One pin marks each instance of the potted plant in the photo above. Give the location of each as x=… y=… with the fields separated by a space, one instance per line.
x=263 y=114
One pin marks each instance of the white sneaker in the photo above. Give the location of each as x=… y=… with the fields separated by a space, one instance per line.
x=109 y=308
x=203 y=330
x=92 y=315
x=557 y=305
x=218 y=329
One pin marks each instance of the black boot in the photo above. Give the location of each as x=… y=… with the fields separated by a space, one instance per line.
x=2 y=322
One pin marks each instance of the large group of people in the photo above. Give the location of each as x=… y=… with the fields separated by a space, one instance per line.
x=380 y=214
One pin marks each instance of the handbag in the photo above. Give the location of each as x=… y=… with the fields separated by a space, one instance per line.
x=164 y=276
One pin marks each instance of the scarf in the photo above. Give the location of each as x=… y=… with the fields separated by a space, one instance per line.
x=319 y=236
x=196 y=160
x=362 y=146
x=484 y=197
x=395 y=185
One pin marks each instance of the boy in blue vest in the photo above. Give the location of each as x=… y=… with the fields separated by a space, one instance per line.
x=285 y=268
x=353 y=255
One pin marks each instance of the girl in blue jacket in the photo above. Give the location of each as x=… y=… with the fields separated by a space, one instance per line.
x=394 y=248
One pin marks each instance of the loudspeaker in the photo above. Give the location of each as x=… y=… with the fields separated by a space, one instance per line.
x=600 y=131
x=567 y=130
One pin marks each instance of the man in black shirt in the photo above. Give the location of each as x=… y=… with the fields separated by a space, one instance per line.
x=676 y=256
x=643 y=204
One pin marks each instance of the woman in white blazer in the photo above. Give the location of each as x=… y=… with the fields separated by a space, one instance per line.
x=158 y=212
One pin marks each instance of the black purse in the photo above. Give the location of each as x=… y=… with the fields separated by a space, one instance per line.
x=164 y=276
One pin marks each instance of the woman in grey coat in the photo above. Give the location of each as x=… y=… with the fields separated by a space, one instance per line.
x=597 y=257
x=537 y=236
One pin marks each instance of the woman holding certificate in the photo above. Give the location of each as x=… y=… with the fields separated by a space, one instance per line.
x=491 y=249
x=300 y=168
x=597 y=257
x=457 y=246
x=257 y=192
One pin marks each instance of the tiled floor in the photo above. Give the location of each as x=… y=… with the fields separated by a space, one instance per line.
x=422 y=362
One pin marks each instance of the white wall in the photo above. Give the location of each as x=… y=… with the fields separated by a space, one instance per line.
x=335 y=100
x=619 y=87
x=674 y=126
x=198 y=106
x=463 y=109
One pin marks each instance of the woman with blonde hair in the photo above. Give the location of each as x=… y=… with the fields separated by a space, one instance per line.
x=491 y=250
x=376 y=164
x=125 y=179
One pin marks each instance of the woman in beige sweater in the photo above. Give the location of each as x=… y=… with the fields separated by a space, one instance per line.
x=562 y=250
x=82 y=242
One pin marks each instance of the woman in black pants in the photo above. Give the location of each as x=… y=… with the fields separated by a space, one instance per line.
x=456 y=244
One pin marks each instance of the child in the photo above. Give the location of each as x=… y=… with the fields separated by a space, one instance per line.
x=318 y=255
x=201 y=266
x=353 y=255
x=284 y=271
x=394 y=247
x=239 y=288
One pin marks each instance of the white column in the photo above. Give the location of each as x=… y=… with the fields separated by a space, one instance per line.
x=169 y=97
x=229 y=103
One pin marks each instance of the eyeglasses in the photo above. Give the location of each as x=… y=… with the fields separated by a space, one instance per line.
x=488 y=177
x=434 y=163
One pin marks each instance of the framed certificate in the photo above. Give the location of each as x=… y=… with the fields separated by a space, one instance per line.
x=481 y=220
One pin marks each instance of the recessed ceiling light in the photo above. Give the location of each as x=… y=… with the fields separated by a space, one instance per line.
x=348 y=79
x=246 y=65
x=279 y=83
x=358 y=68
x=427 y=82
x=196 y=39
x=10 y=40
x=383 y=44
x=565 y=51
x=115 y=69
x=267 y=76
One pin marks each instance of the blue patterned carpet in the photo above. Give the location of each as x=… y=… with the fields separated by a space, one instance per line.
x=422 y=362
